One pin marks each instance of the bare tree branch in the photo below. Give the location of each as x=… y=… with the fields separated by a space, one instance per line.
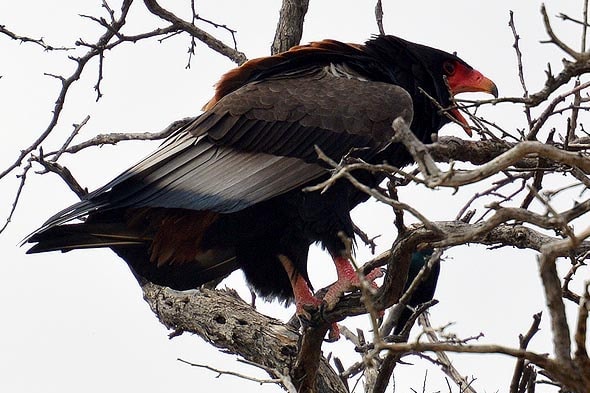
x=113 y=138
x=290 y=25
x=518 y=165
x=282 y=379
x=519 y=369
x=226 y=321
x=67 y=83
x=212 y=42
x=446 y=364
x=516 y=47
x=37 y=41
x=554 y=39
x=379 y=17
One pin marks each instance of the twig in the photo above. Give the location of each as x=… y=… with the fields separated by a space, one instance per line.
x=283 y=379
x=554 y=39
x=550 y=109
x=565 y=17
x=567 y=293
x=584 y=26
x=113 y=138
x=447 y=365
x=212 y=42
x=66 y=84
x=63 y=172
x=516 y=47
x=37 y=41
x=552 y=83
x=19 y=190
x=519 y=368
x=191 y=49
x=369 y=241
x=398 y=213
x=77 y=128
x=540 y=360
x=379 y=17
x=572 y=121
x=422 y=275
x=534 y=188
x=344 y=172
x=416 y=148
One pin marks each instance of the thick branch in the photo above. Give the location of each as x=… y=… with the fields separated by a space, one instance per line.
x=511 y=157
x=226 y=321
x=290 y=25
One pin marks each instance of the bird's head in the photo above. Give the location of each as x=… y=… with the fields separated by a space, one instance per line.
x=428 y=74
x=446 y=76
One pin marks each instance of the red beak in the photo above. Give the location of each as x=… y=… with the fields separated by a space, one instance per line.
x=466 y=80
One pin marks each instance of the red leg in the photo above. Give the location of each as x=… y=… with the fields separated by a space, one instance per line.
x=348 y=280
x=304 y=298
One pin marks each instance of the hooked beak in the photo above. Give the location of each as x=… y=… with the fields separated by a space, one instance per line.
x=469 y=81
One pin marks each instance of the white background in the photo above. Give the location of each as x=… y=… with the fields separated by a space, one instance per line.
x=77 y=321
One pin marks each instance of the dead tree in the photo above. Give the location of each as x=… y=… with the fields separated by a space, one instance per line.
x=512 y=207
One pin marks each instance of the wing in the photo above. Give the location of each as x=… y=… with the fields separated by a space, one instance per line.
x=256 y=143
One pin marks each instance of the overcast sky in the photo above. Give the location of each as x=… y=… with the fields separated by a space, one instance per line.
x=77 y=321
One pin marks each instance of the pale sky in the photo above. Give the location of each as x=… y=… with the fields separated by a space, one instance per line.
x=77 y=321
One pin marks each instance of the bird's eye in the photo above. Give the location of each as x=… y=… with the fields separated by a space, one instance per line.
x=449 y=68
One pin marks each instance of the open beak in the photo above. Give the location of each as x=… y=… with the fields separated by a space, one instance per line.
x=469 y=81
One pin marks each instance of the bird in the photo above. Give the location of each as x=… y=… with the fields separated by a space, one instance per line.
x=227 y=191
x=424 y=292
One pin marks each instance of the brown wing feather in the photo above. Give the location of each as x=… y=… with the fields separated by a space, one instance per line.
x=315 y=53
x=289 y=116
x=254 y=144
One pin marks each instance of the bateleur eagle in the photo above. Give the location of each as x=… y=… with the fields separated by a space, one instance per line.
x=225 y=192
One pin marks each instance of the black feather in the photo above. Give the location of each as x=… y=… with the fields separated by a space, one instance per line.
x=240 y=167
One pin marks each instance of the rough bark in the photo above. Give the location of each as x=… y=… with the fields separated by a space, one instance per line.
x=224 y=320
x=290 y=25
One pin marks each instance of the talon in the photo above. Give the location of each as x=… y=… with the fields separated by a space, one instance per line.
x=304 y=305
x=375 y=274
x=333 y=333
x=348 y=280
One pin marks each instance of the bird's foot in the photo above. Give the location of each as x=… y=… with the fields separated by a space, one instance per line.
x=348 y=281
x=305 y=303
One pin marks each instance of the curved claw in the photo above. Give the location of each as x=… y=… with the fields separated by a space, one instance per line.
x=348 y=280
x=333 y=334
x=304 y=316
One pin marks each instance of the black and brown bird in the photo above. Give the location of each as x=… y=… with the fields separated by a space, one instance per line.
x=225 y=192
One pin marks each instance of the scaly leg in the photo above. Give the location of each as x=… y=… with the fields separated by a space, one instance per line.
x=348 y=280
x=304 y=298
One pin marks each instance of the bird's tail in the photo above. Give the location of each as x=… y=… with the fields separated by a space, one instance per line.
x=136 y=249
x=74 y=236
